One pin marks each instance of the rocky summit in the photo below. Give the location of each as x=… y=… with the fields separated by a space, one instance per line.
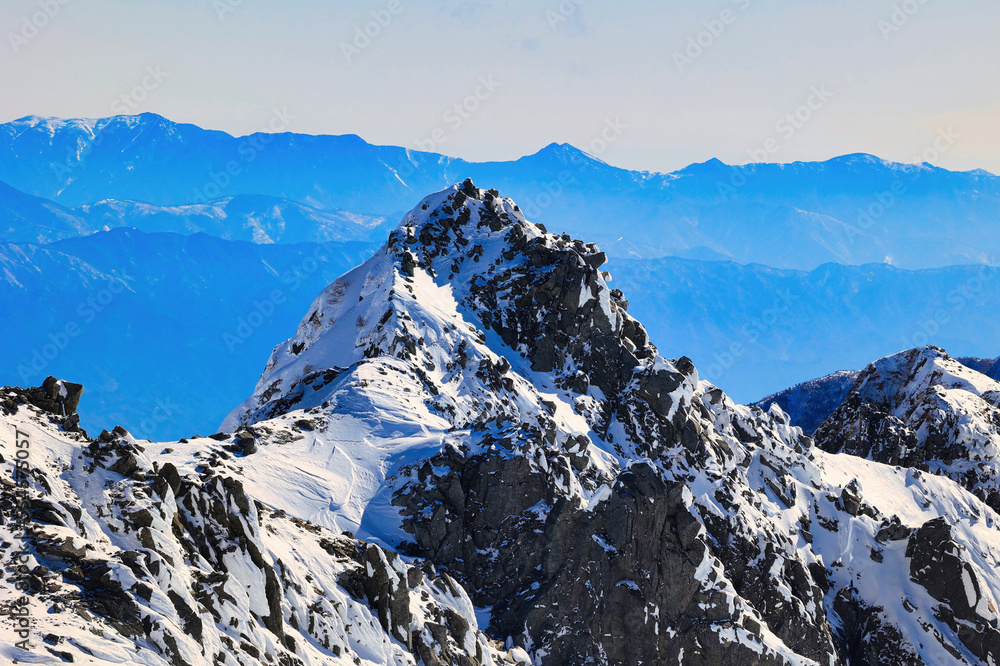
x=470 y=453
x=923 y=409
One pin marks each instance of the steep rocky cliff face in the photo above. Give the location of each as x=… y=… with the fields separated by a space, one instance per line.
x=470 y=453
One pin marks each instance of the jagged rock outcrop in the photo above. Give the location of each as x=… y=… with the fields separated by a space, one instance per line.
x=937 y=564
x=922 y=409
x=182 y=567
x=54 y=396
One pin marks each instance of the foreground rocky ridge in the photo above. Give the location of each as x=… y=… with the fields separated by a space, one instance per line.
x=135 y=561
x=477 y=406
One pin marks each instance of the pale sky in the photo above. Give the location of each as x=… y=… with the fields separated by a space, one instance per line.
x=890 y=74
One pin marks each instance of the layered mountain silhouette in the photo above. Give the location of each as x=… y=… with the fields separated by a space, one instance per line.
x=854 y=209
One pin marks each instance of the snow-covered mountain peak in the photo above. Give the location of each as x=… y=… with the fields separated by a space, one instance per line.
x=459 y=213
x=463 y=276
x=53 y=125
x=899 y=379
x=470 y=318
x=921 y=408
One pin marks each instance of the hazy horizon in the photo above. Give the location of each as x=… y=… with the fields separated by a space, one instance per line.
x=532 y=152
x=497 y=79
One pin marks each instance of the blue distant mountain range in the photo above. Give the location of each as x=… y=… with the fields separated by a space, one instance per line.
x=156 y=324
x=854 y=209
x=765 y=275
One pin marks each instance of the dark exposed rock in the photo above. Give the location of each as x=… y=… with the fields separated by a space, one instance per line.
x=168 y=477
x=192 y=623
x=104 y=596
x=388 y=593
x=126 y=465
x=56 y=396
x=937 y=564
x=655 y=389
x=864 y=638
x=59 y=548
x=892 y=530
x=245 y=442
x=591 y=575
x=879 y=436
x=46 y=511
